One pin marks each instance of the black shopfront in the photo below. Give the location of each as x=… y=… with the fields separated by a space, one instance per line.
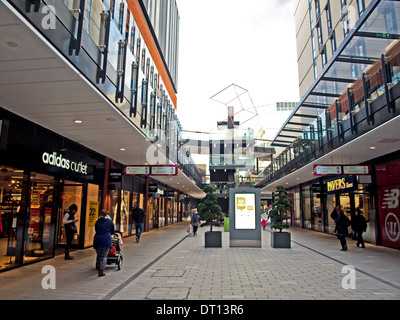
x=42 y=174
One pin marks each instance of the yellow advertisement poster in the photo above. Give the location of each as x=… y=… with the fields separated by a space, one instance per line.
x=93 y=213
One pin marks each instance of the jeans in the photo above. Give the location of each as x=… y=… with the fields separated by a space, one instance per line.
x=139 y=229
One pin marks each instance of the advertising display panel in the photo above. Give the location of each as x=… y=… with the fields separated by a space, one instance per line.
x=245 y=217
x=245 y=214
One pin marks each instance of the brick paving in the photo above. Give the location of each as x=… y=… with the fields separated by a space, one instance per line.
x=169 y=265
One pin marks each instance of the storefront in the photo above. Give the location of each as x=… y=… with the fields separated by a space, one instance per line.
x=41 y=175
x=314 y=201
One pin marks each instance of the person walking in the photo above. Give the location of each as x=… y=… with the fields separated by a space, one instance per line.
x=104 y=228
x=70 y=228
x=342 y=223
x=336 y=212
x=359 y=226
x=194 y=220
x=271 y=219
x=138 y=216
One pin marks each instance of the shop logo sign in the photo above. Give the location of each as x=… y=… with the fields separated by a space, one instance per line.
x=59 y=161
x=391 y=199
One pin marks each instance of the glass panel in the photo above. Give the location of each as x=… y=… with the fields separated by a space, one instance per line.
x=125 y=195
x=345 y=70
x=330 y=205
x=367 y=47
x=10 y=199
x=317 y=213
x=307 y=207
x=384 y=19
x=39 y=234
x=72 y=194
x=114 y=212
x=331 y=87
x=324 y=100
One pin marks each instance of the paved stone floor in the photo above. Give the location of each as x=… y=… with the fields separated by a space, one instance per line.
x=167 y=264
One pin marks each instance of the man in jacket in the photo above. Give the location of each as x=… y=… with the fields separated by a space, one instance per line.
x=342 y=224
x=359 y=226
x=138 y=216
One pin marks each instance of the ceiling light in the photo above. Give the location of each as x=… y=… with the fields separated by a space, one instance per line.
x=78 y=121
x=122 y=149
x=372 y=148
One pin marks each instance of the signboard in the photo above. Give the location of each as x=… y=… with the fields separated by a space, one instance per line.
x=341 y=184
x=93 y=213
x=153 y=187
x=320 y=170
x=137 y=170
x=152 y=170
x=389 y=212
x=164 y=170
x=115 y=175
x=245 y=217
x=245 y=214
x=358 y=170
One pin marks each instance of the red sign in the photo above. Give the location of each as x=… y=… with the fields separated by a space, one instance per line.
x=389 y=210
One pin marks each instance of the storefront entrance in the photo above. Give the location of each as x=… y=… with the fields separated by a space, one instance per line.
x=71 y=193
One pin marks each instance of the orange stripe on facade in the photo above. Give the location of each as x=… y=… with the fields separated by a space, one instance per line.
x=136 y=10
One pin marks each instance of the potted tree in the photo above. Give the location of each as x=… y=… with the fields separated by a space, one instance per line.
x=280 y=206
x=211 y=213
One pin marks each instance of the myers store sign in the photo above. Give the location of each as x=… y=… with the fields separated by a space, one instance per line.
x=341 y=184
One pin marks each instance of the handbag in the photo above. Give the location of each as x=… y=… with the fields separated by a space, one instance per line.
x=73 y=227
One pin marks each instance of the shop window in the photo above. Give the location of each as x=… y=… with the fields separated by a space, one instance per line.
x=38 y=242
x=125 y=210
x=10 y=202
x=71 y=194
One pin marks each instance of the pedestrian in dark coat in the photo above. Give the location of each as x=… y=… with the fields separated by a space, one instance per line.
x=102 y=240
x=342 y=223
x=138 y=217
x=359 y=226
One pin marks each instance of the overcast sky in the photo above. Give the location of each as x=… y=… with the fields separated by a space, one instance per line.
x=248 y=43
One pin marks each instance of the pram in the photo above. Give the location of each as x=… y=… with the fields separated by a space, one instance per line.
x=115 y=254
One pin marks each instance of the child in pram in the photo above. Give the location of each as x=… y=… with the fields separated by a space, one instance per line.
x=114 y=254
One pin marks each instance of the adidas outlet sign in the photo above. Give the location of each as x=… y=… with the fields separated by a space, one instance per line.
x=59 y=161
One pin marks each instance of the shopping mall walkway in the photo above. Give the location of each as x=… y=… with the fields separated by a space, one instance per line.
x=168 y=264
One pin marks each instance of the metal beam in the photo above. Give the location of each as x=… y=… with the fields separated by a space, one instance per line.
x=298 y=123
x=379 y=35
x=323 y=94
x=360 y=60
x=315 y=106
x=292 y=130
x=332 y=79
